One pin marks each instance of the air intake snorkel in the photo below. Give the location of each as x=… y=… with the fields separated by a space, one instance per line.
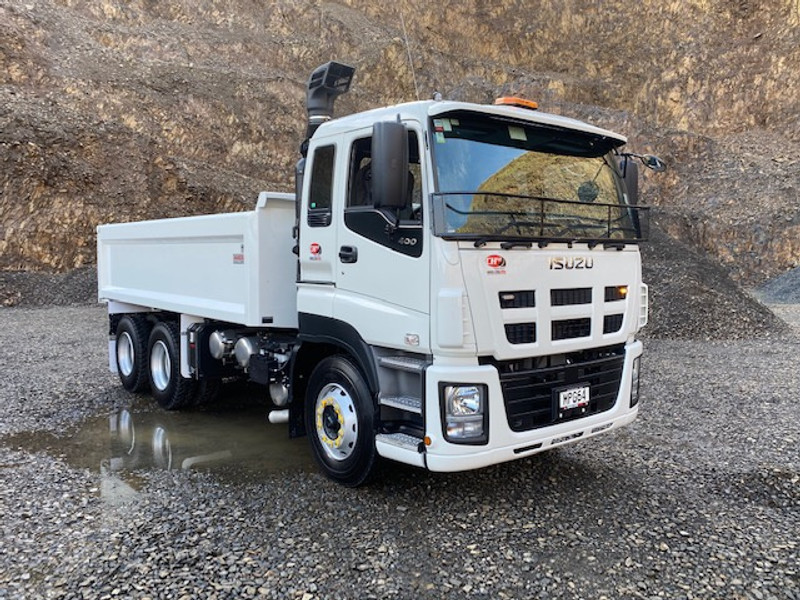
x=326 y=83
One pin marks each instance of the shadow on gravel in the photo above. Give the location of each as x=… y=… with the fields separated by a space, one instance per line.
x=556 y=477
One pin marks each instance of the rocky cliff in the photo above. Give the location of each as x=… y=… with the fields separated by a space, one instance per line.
x=129 y=109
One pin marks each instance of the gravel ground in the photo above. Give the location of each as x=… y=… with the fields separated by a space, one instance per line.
x=692 y=297
x=789 y=313
x=700 y=498
x=24 y=288
x=784 y=289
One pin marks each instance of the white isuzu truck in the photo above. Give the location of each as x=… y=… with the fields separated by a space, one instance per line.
x=452 y=286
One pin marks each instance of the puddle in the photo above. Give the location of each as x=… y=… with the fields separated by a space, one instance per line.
x=237 y=441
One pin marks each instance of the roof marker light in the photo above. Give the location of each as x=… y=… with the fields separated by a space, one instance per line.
x=515 y=101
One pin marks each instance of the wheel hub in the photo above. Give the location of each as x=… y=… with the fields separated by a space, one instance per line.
x=336 y=422
x=330 y=422
x=125 y=353
x=160 y=365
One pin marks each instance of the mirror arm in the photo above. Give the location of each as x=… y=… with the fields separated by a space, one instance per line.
x=650 y=161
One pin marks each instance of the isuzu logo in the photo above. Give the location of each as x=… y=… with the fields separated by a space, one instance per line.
x=559 y=263
x=495 y=261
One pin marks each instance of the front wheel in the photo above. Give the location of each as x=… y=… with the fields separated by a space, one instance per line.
x=340 y=415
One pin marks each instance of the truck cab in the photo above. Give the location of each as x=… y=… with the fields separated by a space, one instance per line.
x=491 y=299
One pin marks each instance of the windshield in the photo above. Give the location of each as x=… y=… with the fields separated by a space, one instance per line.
x=502 y=180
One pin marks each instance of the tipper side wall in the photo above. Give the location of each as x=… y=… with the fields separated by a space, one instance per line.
x=234 y=267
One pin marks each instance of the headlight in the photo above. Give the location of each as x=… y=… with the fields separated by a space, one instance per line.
x=463 y=400
x=635 y=381
x=464 y=414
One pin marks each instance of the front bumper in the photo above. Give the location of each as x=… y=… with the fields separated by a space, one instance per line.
x=503 y=443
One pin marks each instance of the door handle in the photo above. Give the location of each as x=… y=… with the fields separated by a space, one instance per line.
x=348 y=254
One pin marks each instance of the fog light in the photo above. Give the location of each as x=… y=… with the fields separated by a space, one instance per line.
x=464 y=413
x=464 y=429
x=635 y=382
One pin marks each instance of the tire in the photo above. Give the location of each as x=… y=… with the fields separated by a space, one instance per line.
x=170 y=390
x=207 y=391
x=131 y=353
x=340 y=421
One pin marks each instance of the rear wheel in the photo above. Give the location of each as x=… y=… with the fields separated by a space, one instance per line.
x=207 y=391
x=340 y=415
x=132 y=334
x=169 y=388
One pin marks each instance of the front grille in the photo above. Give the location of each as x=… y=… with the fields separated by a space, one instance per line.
x=521 y=333
x=612 y=323
x=529 y=395
x=521 y=299
x=571 y=328
x=570 y=296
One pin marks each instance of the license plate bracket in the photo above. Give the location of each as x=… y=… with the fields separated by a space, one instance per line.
x=573 y=399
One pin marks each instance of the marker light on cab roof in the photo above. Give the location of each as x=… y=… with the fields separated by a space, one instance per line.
x=515 y=101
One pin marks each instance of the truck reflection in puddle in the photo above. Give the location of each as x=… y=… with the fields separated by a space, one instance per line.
x=241 y=442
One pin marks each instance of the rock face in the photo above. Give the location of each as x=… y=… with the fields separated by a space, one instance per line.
x=122 y=110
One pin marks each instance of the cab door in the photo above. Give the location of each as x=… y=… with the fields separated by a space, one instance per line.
x=382 y=262
x=317 y=240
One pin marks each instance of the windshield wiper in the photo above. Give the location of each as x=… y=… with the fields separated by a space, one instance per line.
x=514 y=223
x=510 y=245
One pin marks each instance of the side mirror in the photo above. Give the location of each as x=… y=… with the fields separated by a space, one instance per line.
x=630 y=174
x=389 y=165
x=654 y=163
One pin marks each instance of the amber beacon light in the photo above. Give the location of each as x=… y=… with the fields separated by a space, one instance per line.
x=515 y=101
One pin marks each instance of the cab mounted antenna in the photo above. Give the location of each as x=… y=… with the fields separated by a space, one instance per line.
x=408 y=51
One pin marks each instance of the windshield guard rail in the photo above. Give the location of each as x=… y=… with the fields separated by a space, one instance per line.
x=492 y=216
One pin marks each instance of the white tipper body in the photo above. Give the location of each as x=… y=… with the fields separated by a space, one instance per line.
x=239 y=268
x=235 y=267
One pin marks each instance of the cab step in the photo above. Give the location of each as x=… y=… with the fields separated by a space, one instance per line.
x=407 y=403
x=401 y=440
x=404 y=363
x=401 y=447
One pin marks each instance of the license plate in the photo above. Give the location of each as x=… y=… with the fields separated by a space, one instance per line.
x=575 y=397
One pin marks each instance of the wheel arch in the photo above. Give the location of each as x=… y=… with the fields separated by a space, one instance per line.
x=324 y=333
x=321 y=337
